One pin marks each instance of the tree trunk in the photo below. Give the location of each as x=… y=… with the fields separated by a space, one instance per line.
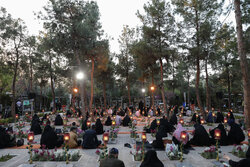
x=208 y=104
x=188 y=94
x=52 y=85
x=162 y=91
x=198 y=64
x=128 y=85
x=92 y=83
x=153 y=98
x=13 y=105
x=31 y=73
x=228 y=86
x=104 y=94
x=243 y=62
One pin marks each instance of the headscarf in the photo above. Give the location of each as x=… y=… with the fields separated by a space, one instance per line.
x=151 y=160
x=108 y=121
x=99 y=126
x=177 y=133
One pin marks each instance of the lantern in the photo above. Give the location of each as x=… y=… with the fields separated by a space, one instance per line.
x=181 y=121
x=152 y=88
x=66 y=137
x=213 y=114
x=183 y=135
x=228 y=114
x=148 y=116
x=180 y=115
x=248 y=133
x=105 y=137
x=225 y=120
x=47 y=117
x=217 y=134
x=16 y=116
x=143 y=112
x=158 y=122
x=197 y=115
x=75 y=90
x=88 y=123
x=81 y=117
x=202 y=121
x=144 y=137
x=113 y=123
x=156 y=113
x=131 y=118
x=30 y=137
x=130 y=113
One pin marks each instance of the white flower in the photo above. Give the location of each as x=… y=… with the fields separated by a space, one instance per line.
x=206 y=149
x=171 y=154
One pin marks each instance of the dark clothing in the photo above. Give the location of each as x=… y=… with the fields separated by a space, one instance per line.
x=84 y=125
x=5 y=139
x=158 y=143
x=220 y=118
x=235 y=135
x=173 y=119
x=201 y=137
x=168 y=127
x=126 y=120
x=223 y=139
x=99 y=127
x=177 y=142
x=152 y=127
x=196 y=119
x=90 y=140
x=36 y=128
x=111 y=162
x=151 y=160
x=162 y=131
x=58 y=120
x=36 y=118
x=108 y=121
x=243 y=162
x=50 y=139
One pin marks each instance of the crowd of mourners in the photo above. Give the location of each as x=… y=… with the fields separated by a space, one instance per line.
x=52 y=137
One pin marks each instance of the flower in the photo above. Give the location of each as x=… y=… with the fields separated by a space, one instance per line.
x=97 y=152
x=171 y=154
x=239 y=148
x=206 y=149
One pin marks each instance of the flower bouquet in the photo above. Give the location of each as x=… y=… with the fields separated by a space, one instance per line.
x=240 y=151
x=138 y=156
x=209 y=152
x=172 y=152
x=103 y=154
x=113 y=133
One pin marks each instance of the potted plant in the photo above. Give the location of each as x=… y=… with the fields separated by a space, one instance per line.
x=240 y=151
x=172 y=152
x=209 y=153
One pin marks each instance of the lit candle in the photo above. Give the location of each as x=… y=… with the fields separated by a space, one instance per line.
x=202 y=121
x=181 y=121
x=16 y=116
x=225 y=120
x=113 y=122
x=217 y=134
x=30 y=136
x=66 y=137
x=158 y=122
x=183 y=135
x=144 y=137
x=105 y=137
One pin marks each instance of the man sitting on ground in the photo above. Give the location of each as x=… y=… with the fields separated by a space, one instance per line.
x=90 y=140
x=112 y=160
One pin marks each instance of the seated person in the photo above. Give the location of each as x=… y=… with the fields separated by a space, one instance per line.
x=126 y=120
x=6 y=140
x=151 y=160
x=84 y=124
x=196 y=119
x=242 y=163
x=35 y=118
x=49 y=138
x=90 y=140
x=201 y=137
x=73 y=143
x=108 y=121
x=223 y=139
x=152 y=127
x=35 y=127
x=158 y=143
x=58 y=120
x=236 y=134
x=44 y=118
x=68 y=113
x=137 y=113
x=118 y=120
x=112 y=160
x=99 y=126
x=211 y=118
x=220 y=117
x=173 y=119
x=169 y=127
x=177 y=136
x=231 y=116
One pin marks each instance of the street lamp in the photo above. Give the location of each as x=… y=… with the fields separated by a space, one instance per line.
x=143 y=90
x=152 y=88
x=79 y=75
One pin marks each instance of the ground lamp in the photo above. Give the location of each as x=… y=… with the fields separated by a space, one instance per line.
x=88 y=124
x=66 y=138
x=183 y=138
x=228 y=114
x=144 y=139
x=143 y=113
x=197 y=115
x=113 y=123
x=75 y=90
x=47 y=117
x=156 y=113
x=105 y=138
x=217 y=135
x=30 y=138
x=130 y=113
x=17 y=116
x=158 y=122
x=152 y=88
x=248 y=134
x=202 y=121
x=180 y=115
x=81 y=117
x=225 y=120
x=181 y=121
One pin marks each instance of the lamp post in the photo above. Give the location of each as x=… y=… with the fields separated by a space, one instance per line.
x=30 y=138
x=66 y=138
x=217 y=135
x=183 y=138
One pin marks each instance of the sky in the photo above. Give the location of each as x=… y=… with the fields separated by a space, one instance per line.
x=114 y=15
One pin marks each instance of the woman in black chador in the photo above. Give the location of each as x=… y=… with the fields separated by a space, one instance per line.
x=84 y=124
x=220 y=117
x=235 y=135
x=151 y=160
x=49 y=138
x=108 y=121
x=99 y=127
x=168 y=126
x=173 y=119
x=5 y=139
x=158 y=143
x=126 y=120
x=35 y=125
x=152 y=127
x=223 y=139
x=242 y=163
x=58 y=120
x=196 y=119
x=201 y=137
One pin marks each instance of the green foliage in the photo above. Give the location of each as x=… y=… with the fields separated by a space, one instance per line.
x=5 y=158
